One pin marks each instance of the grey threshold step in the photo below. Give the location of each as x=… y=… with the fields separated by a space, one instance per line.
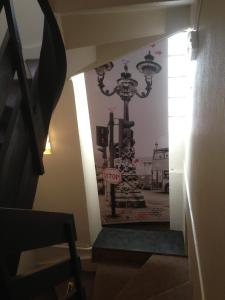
x=136 y=245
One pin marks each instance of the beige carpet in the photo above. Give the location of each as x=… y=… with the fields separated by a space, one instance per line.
x=181 y=292
x=159 y=274
x=160 y=278
x=110 y=279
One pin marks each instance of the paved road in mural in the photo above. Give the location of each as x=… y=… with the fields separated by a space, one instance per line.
x=156 y=210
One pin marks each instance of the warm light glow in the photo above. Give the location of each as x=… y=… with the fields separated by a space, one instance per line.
x=178 y=69
x=177 y=44
x=177 y=101
x=83 y=119
x=48 y=147
x=87 y=154
x=181 y=74
x=190 y=100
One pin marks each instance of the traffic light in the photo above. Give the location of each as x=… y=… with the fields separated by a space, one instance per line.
x=116 y=150
x=126 y=133
x=128 y=124
x=102 y=134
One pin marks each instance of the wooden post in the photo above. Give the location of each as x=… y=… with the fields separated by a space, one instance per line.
x=111 y=150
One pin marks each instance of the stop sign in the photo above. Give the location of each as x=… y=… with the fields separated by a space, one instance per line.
x=112 y=175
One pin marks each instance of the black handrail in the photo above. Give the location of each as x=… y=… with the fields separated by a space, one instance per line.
x=38 y=98
x=47 y=85
x=52 y=65
x=26 y=112
x=21 y=72
x=23 y=230
x=25 y=128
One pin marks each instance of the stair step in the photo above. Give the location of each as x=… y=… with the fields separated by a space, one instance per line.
x=118 y=244
x=159 y=274
x=181 y=292
x=111 y=278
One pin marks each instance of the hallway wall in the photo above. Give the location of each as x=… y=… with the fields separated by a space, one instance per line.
x=62 y=187
x=206 y=151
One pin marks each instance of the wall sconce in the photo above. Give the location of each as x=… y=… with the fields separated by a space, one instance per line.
x=48 y=147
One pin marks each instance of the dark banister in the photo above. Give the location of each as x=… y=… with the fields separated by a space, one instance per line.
x=26 y=140
x=26 y=97
x=27 y=126
x=7 y=68
x=25 y=130
x=28 y=230
x=52 y=66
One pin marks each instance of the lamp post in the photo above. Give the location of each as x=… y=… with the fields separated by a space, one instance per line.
x=126 y=86
x=128 y=192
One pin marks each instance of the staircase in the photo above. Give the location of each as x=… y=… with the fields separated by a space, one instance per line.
x=160 y=278
x=141 y=265
x=29 y=92
x=26 y=106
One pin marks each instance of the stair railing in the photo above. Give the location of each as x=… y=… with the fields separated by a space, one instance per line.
x=25 y=90
x=17 y=235
x=27 y=119
x=25 y=112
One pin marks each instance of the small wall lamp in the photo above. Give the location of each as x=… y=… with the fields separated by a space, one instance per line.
x=48 y=147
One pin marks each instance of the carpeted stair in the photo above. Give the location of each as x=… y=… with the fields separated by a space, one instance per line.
x=160 y=278
x=181 y=292
x=110 y=279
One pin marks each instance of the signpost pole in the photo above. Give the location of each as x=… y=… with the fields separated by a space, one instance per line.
x=111 y=151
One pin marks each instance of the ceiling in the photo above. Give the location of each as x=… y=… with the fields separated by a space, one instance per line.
x=96 y=31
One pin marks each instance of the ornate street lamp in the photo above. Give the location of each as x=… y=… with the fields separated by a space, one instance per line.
x=128 y=193
x=126 y=86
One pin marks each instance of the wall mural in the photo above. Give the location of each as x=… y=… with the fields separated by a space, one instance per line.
x=128 y=112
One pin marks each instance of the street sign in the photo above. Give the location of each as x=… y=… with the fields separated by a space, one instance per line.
x=112 y=175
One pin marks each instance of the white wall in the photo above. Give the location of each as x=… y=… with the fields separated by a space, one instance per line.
x=61 y=7
x=87 y=156
x=206 y=151
x=177 y=102
x=111 y=27
x=62 y=187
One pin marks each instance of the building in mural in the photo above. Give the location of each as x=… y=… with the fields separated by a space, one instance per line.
x=160 y=170
x=124 y=135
